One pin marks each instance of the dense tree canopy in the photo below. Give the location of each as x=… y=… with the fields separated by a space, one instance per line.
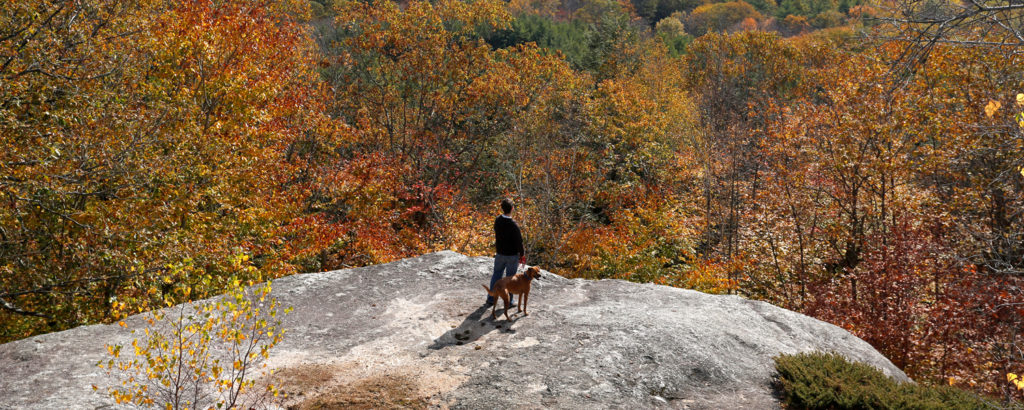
x=138 y=136
x=156 y=152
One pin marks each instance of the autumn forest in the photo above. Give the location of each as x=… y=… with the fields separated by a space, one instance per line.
x=857 y=162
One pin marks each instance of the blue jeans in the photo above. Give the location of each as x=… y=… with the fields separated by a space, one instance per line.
x=507 y=263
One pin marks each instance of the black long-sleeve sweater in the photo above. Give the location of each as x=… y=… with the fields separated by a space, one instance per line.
x=508 y=238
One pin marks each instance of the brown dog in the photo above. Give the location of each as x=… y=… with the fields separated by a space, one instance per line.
x=518 y=284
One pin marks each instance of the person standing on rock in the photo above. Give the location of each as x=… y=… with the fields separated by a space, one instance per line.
x=508 y=246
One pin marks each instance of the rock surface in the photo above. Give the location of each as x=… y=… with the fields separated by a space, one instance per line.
x=414 y=333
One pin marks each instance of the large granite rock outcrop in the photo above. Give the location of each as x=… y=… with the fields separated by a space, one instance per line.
x=414 y=333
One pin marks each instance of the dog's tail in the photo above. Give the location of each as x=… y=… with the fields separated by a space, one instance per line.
x=489 y=291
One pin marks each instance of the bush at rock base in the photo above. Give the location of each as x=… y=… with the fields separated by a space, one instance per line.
x=829 y=381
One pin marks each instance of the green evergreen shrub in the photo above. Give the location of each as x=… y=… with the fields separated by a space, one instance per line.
x=829 y=381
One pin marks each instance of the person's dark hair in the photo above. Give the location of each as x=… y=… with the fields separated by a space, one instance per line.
x=507 y=205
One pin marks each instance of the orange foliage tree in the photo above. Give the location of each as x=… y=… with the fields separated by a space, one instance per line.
x=856 y=222
x=633 y=218
x=720 y=17
x=138 y=136
x=737 y=81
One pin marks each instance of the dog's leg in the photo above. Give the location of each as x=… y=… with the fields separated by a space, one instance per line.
x=494 y=307
x=526 y=297
x=505 y=297
x=495 y=304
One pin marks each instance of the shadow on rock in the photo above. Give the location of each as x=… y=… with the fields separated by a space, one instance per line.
x=472 y=328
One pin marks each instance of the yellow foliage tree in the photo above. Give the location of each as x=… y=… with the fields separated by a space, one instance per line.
x=209 y=354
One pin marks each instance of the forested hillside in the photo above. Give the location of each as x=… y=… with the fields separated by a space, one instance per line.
x=858 y=163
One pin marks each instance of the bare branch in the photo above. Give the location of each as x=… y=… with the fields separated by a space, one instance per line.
x=5 y=305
